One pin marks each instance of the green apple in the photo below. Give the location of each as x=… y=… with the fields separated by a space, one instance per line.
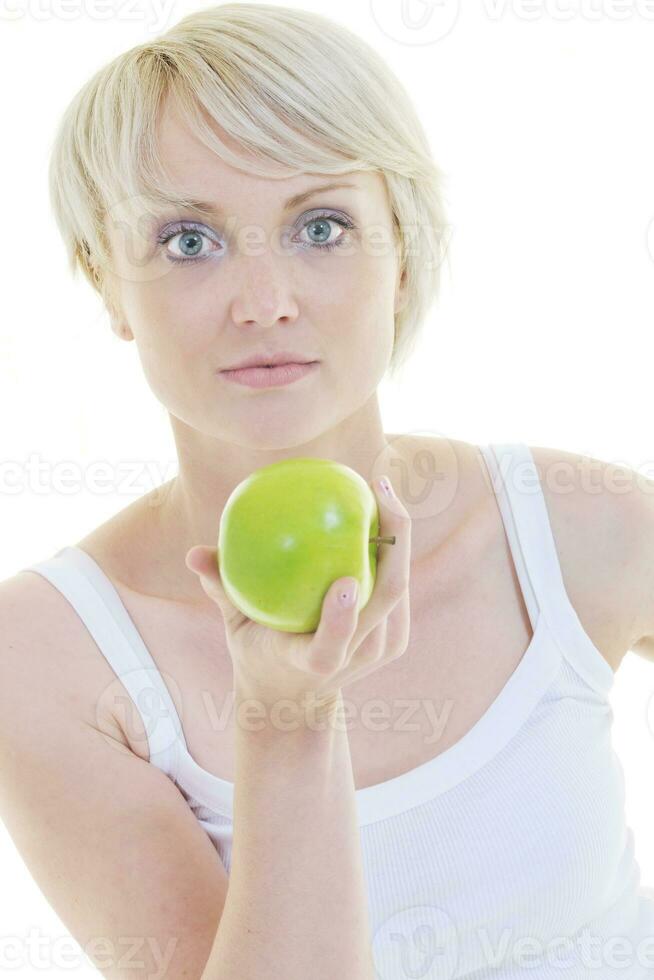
x=288 y=531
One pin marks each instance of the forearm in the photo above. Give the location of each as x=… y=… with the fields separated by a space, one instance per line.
x=296 y=905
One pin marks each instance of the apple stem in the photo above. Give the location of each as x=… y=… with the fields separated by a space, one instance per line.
x=384 y=540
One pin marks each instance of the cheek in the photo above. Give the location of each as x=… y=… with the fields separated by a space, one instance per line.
x=373 y=294
x=357 y=319
x=376 y=305
x=169 y=319
x=363 y=283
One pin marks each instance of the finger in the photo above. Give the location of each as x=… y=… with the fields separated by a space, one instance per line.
x=386 y=642
x=394 y=632
x=393 y=564
x=338 y=619
x=203 y=560
x=370 y=651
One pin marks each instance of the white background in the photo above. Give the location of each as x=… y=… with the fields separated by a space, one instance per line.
x=541 y=116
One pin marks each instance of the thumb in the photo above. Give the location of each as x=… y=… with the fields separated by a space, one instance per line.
x=203 y=560
x=338 y=621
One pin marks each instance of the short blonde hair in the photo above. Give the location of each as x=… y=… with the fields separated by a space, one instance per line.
x=292 y=87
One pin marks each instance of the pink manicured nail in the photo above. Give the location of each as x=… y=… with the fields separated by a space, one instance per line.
x=347 y=595
x=385 y=484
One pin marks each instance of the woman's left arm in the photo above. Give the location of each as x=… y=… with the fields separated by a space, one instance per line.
x=602 y=516
x=639 y=515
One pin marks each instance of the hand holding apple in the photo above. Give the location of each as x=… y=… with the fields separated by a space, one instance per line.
x=349 y=642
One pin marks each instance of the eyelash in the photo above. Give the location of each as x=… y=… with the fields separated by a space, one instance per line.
x=181 y=227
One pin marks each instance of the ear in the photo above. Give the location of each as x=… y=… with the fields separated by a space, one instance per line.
x=117 y=319
x=120 y=327
x=119 y=324
x=400 y=290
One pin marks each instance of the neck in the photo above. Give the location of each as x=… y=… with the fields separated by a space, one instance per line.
x=209 y=469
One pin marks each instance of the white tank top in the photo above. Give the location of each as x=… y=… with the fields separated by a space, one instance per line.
x=507 y=856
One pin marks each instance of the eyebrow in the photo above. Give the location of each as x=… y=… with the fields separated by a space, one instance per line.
x=208 y=207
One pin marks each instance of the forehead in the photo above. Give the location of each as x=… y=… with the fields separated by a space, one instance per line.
x=194 y=170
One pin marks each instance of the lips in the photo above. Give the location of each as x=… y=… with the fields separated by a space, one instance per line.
x=269 y=377
x=271 y=359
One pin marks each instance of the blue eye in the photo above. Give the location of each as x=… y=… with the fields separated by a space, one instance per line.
x=191 y=237
x=322 y=220
x=188 y=233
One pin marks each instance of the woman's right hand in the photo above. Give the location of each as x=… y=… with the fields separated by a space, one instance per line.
x=312 y=668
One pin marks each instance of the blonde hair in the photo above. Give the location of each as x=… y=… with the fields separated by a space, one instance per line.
x=291 y=86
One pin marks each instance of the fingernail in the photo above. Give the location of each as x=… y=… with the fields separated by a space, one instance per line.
x=385 y=485
x=348 y=593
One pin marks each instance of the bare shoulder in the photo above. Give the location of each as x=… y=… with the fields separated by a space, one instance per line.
x=46 y=648
x=48 y=658
x=595 y=511
x=593 y=506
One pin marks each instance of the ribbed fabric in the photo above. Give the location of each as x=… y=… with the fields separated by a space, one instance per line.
x=508 y=855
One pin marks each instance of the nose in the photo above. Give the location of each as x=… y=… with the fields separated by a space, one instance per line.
x=264 y=293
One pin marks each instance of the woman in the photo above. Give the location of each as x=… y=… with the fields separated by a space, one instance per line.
x=194 y=796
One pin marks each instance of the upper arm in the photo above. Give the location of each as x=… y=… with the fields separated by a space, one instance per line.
x=107 y=837
x=641 y=518
x=599 y=513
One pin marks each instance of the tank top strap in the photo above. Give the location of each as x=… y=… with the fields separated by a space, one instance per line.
x=96 y=601
x=516 y=482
